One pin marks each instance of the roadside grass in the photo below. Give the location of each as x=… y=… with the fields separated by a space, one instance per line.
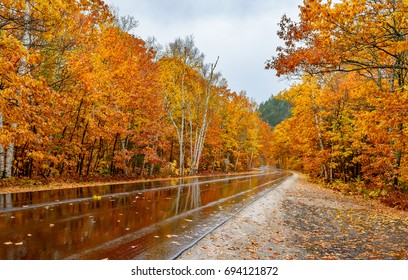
x=395 y=198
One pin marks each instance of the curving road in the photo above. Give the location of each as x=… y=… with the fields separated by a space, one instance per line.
x=300 y=220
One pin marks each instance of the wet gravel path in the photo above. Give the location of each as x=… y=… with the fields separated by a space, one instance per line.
x=301 y=220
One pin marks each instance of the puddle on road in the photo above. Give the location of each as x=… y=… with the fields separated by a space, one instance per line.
x=152 y=220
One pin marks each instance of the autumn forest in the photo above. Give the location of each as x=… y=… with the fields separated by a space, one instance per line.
x=81 y=96
x=349 y=116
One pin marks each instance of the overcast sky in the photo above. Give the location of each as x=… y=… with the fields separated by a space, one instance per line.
x=241 y=32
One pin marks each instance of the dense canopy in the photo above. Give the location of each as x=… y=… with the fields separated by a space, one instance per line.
x=81 y=96
x=350 y=109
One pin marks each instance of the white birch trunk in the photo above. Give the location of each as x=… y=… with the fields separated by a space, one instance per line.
x=22 y=70
x=8 y=173
x=179 y=129
x=183 y=120
x=192 y=151
x=202 y=132
x=1 y=150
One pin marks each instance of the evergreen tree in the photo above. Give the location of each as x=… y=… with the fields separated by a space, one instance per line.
x=274 y=111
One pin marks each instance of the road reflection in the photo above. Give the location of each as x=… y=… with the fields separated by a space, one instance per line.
x=151 y=220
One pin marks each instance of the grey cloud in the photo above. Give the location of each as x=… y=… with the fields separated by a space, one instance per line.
x=240 y=32
x=175 y=11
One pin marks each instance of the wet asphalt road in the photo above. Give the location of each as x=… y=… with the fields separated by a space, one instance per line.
x=150 y=220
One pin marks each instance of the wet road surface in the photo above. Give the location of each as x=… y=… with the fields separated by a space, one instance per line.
x=301 y=220
x=149 y=220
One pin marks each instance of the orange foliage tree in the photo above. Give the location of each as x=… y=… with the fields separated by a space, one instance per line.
x=81 y=96
x=359 y=121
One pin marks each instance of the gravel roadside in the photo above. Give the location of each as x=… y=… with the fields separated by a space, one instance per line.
x=301 y=220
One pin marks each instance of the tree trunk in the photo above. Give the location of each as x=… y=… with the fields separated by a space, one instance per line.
x=179 y=129
x=201 y=134
x=112 y=166
x=401 y=84
x=22 y=70
x=2 y=169
x=143 y=166
x=237 y=160
x=151 y=169
x=181 y=143
x=8 y=173
x=2 y=156
x=227 y=161
x=123 y=143
x=319 y=134
x=192 y=151
x=251 y=159
x=91 y=154
x=171 y=151
x=398 y=159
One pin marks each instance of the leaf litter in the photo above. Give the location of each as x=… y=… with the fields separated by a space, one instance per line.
x=301 y=220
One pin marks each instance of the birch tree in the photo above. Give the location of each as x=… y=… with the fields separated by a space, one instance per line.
x=7 y=156
x=2 y=167
x=207 y=107
x=181 y=65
